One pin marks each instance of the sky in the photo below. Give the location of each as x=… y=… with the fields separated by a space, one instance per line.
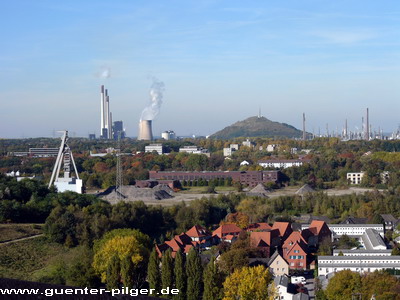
x=220 y=61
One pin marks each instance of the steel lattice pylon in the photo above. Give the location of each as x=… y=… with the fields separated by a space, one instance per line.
x=119 y=181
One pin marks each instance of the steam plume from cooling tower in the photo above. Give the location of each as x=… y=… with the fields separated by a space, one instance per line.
x=156 y=95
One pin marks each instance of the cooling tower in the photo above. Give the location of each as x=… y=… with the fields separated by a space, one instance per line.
x=145 y=133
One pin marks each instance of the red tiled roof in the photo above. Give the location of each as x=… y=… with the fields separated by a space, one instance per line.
x=227 y=229
x=282 y=227
x=197 y=231
x=294 y=237
x=317 y=224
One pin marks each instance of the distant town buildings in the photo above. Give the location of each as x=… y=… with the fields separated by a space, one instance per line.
x=281 y=163
x=154 y=147
x=231 y=149
x=37 y=152
x=118 y=130
x=355 y=178
x=194 y=150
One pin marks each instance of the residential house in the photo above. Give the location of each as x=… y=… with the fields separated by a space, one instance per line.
x=227 y=231
x=259 y=227
x=266 y=241
x=295 y=252
x=390 y=222
x=355 y=178
x=181 y=241
x=278 y=266
x=284 y=228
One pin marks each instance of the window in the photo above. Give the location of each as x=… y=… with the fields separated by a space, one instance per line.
x=296 y=251
x=292 y=264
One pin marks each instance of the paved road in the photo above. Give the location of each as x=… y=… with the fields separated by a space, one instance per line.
x=21 y=239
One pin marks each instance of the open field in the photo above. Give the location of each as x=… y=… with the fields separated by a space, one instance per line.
x=9 y=232
x=21 y=260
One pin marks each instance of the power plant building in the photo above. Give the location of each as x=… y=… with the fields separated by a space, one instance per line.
x=118 y=130
x=168 y=135
x=106 y=116
x=154 y=147
x=145 y=131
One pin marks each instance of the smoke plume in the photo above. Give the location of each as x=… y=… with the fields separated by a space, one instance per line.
x=156 y=95
x=104 y=73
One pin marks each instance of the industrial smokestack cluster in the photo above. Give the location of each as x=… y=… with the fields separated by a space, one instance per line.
x=106 y=116
x=145 y=132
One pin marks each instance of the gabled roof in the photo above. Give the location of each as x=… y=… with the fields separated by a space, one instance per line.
x=257 y=239
x=318 y=225
x=197 y=231
x=305 y=189
x=301 y=296
x=275 y=256
x=389 y=218
x=301 y=244
x=282 y=227
x=294 y=237
x=225 y=229
x=354 y=220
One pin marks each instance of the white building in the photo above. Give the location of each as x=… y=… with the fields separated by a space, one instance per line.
x=168 y=135
x=69 y=184
x=247 y=143
x=353 y=230
x=355 y=178
x=194 y=150
x=154 y=147
x=281 y=163
x=272 y=148
x=372 y=240
x=362 y=252
x=360 y=264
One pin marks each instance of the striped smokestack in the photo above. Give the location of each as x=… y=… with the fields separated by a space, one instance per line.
x=145 y=132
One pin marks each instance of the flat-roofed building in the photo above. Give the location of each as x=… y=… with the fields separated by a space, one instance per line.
x=154 y=147
x=281 y=163
x=355 y=178
x=362 y=252
x=360 y=264
x=353 y=230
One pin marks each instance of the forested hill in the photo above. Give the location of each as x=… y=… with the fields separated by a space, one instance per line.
x=255 y=127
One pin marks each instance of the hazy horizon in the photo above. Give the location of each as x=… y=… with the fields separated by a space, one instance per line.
x=220 y=61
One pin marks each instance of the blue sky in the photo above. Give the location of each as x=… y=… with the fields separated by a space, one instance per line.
x=219 y=60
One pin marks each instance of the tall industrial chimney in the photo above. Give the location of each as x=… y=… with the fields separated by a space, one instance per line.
x=145 y=133
x=304 y=126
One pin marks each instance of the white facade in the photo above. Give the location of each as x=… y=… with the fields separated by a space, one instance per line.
x=355 y=178
x=372 y=240
x=362 y=252
x=360 y=264
x=193 y=150
x=280 y=164
x=271 y=148
x=154 y=147
x=350 y=229
x=69 y=184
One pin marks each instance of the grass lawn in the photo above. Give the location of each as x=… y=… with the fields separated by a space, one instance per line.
x=10 y=232
x=20 y=260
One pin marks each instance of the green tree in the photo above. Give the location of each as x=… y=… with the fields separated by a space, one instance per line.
x=153 y=271
x=194 y=275
x=167 y=276
x=113 y=273
x=180 y=276
x=127 y=272
x=343 y=285
x=212 y=282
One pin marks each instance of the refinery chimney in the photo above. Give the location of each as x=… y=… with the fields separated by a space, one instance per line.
x=145 y=133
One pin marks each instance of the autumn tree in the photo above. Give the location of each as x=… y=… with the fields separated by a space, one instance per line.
x=113 y=273
x=343 y=285
x=248 y=283
x=122 y=243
